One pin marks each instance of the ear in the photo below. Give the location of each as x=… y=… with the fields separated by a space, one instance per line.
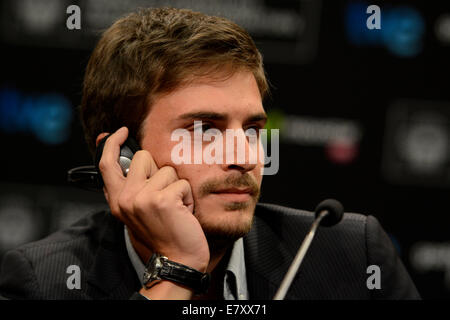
x=100 y=137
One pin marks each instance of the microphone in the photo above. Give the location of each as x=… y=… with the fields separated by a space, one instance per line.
x=333 y=212
x=328 y=213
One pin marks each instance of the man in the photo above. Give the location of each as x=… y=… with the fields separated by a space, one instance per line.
x=152 y=73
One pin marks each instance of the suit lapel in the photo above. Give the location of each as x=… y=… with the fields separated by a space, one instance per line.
x=268 y=255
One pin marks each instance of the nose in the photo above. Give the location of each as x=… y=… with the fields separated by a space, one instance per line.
x=241 y=150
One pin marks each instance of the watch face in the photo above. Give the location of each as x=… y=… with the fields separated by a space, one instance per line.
x=153 y=268
x=146 y=278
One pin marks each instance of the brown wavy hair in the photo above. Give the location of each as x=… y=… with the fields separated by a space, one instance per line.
x=155 y=51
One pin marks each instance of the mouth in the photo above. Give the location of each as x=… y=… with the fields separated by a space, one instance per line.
x=234 y=190
x=234 y=194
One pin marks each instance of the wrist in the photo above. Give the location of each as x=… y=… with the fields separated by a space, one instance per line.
x=167 y=290
x=160 y=268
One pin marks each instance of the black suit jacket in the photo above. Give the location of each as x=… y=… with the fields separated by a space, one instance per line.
x=334 y=268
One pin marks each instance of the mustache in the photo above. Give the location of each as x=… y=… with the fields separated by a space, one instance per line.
x=232 y=181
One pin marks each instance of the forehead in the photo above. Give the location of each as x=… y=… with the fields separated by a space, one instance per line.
x=236 y=96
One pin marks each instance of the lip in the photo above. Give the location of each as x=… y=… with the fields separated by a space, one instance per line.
x=234 y=194
x=233 y=191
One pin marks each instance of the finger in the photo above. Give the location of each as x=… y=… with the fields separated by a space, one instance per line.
x=181 y=191
x=161 y=179
x=109 y=166
x=141 y=168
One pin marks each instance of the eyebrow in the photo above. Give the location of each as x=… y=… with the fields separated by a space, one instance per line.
x=205 y=115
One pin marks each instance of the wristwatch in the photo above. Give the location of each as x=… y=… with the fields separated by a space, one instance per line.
x=160 y=268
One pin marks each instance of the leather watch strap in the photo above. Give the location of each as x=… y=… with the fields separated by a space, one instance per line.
x=161 y=268
x=185 y=275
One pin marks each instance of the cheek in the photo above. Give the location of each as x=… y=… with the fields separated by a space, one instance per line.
x=257 y=173
x=160 y=150
x=194 y=174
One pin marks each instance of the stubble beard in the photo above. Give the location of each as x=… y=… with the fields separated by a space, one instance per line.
x=234 y=219
x=221 y=231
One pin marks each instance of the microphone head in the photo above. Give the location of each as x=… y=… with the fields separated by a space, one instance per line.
x=335 y=212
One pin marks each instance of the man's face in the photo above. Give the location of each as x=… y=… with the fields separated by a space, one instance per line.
x=224 y=194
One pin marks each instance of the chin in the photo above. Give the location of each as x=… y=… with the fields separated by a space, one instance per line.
x=225 y=221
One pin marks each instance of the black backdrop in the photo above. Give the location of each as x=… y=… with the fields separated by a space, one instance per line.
x=336 y=75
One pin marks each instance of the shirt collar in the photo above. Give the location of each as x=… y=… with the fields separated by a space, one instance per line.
x=235 y=279
x=235 y=274
x=139 y=267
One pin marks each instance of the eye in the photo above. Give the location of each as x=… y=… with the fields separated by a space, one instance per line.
x=253 y=130
x=203 y=126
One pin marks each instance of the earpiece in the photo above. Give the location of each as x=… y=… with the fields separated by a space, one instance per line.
x=127 y=151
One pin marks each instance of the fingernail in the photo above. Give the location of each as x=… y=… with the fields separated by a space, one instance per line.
x=122 y=129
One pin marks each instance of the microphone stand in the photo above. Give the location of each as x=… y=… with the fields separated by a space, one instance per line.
x=286 y=283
